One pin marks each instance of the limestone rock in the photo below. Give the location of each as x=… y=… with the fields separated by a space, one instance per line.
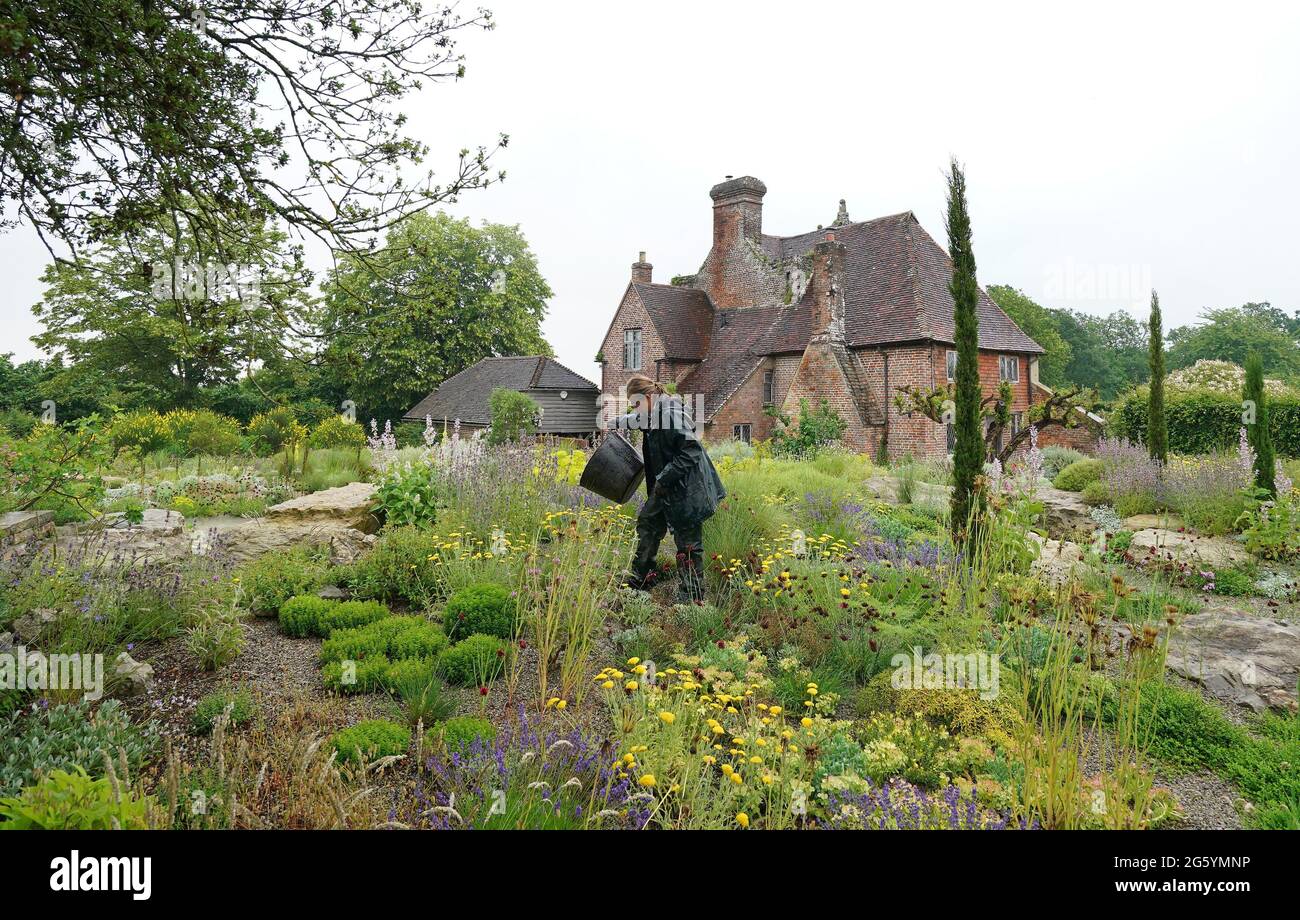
x=157 y=522
x=1241 y=659
x=350 y=506
x=1065 y=514
x=29 y=626
x=1193 y=549
x=1059 y=561
x=248 y=541
x=332 y=593
x=1167 y=521
x=136 y=676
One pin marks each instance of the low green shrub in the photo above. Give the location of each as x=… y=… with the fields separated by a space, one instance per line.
x=302 y=615
x=365 y=675
x=273 y=578
x=460 y=733
x=243 y=709
x=67 y=736
x=392 y=637
x=1096 y=493
x=64 y=801
x=487 y=608
x=474 y=661
x=398 y=567
x=371 y=740
x=1057 y=458
x=1078 y=475
x=351 y=614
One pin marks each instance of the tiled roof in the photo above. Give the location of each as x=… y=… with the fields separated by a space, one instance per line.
x=735 y=350
x=896 y=288
x=682 y=316
x=465 y=395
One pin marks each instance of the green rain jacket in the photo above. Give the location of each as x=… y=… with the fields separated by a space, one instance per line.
x=678 y=472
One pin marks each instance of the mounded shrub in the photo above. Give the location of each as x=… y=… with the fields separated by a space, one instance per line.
x=392 y=637
x=309 y=615
x=409 y=671
x=485 y=608
x=302 y=615
x=242 y=709
x=273 y=578
x=352 y=614
x=1077 y=476
x=364 y=675
x=459 y=733
x=372 y=739
x=1095 y=493
x=475 y=660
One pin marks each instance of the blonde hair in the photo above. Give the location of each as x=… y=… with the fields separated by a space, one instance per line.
x=640 y=383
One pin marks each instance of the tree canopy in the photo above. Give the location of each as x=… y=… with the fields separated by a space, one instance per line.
x=118 y=113
x=1236 y=333
x=439 y=297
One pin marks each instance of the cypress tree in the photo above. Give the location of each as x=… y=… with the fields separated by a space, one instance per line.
x=968 y=451
x=1157 y=427
x=1257 y=433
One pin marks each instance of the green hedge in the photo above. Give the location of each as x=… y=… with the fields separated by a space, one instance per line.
x=1202 y=422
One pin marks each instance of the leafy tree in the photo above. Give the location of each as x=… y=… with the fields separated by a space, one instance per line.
x=117 y=113
x=1040 y=324
x=441 y=296
x=968 y=452
x=1261 y=440
x=514 y=415
x=1236 y=333
x=1157 y=429
x=149 y=312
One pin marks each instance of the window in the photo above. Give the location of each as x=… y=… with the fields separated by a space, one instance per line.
x=952 y=365
x=1017 y=422
x=769 y=388
x=741 y=432
x=1009 y=368
x=632 y=349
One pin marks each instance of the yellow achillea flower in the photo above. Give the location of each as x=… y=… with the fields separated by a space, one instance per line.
x=806 y=722
x=648 y=781
x=667 y=718
x=742 y=819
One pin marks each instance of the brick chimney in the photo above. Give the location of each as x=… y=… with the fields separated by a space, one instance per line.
x=737 y=211
x=827 y=286
x=641 y=270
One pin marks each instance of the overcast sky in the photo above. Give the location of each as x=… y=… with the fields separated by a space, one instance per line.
x=1108 y=147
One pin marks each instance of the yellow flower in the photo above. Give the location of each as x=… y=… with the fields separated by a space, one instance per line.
x=608 y=685
x=648 y=781
x=667 y=718
x=630 y=685
x=775 y=710
x=806 y=722
x=633 y=661
x=561 y=704
x=742 y=819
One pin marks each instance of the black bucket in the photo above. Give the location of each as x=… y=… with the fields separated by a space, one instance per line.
x=615 y=470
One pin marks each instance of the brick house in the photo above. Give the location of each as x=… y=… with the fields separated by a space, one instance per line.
x=848 y=314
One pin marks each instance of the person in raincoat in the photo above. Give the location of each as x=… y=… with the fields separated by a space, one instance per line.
x=682 y=487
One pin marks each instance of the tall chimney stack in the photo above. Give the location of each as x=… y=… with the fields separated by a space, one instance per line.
x=737 y=211
x=827 y=285
x=641 y=270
